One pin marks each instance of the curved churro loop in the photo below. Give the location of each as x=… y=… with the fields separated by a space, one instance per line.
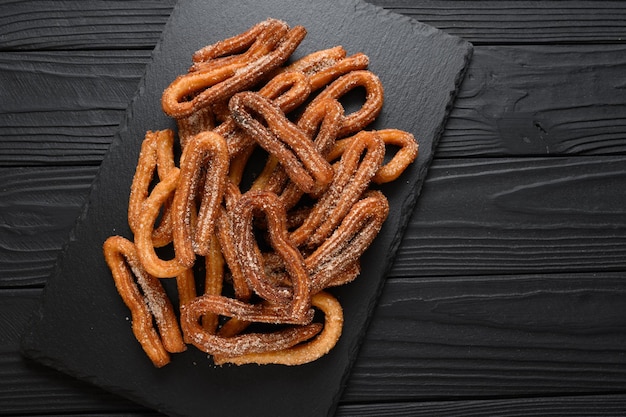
x=144 y=172
x=162 y=235
x=296 y=303
x=272 y=33
x=281 y=138
x=205 y=154
x=316 y=61
x=401 y=160
x=153 y=304
x=325 y=66
x=320 y=67
x=336 y=261
x=391 y=170
x=337 y=254
x=208 y=87
x=352 y=177
x=143 y=236
x=197 y=85
x=287 y=91
x=325 y=76
x=241 y=344
x=244 y=311
x=319 y=122
x=322 y=119
x=259 y=40
x=236 y=44
x=374 y=96
x=156 y=154
x=304 y=353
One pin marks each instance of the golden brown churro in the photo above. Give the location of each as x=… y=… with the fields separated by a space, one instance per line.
x=146 y=299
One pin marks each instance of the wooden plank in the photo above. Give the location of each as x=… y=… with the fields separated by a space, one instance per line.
x=494 y=336
x=115 y=24
x=475 y=216
x=540 y=100
x=65 y=107
x=447 y=338
x=522 y=215
x=38 y=207
x=82 y=24
x=512 y=21
x=587 y=405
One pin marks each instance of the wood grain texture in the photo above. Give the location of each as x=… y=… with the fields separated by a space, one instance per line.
x=79 y=24
x=513 y=21
x=596 y=405
x=64 y=107
x=540 y=100
x=114 y=24
x=600 y=405
x=514 y=101
x=518 y=215
x=38 y=207
x=466 y=337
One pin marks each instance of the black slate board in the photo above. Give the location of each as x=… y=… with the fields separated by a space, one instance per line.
x=82 y=327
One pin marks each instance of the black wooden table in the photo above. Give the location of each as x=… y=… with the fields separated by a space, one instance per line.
x=508 y=295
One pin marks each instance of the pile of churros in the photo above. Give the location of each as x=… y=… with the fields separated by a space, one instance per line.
x=253 y=255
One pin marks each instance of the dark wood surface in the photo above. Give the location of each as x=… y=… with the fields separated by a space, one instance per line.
x=508 y=295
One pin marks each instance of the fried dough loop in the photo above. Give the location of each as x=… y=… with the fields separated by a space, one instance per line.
x=255 y=252
x=282 y=139
x=203 y=169
x=146 y=299
x=297 y=300
x=214 y=82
